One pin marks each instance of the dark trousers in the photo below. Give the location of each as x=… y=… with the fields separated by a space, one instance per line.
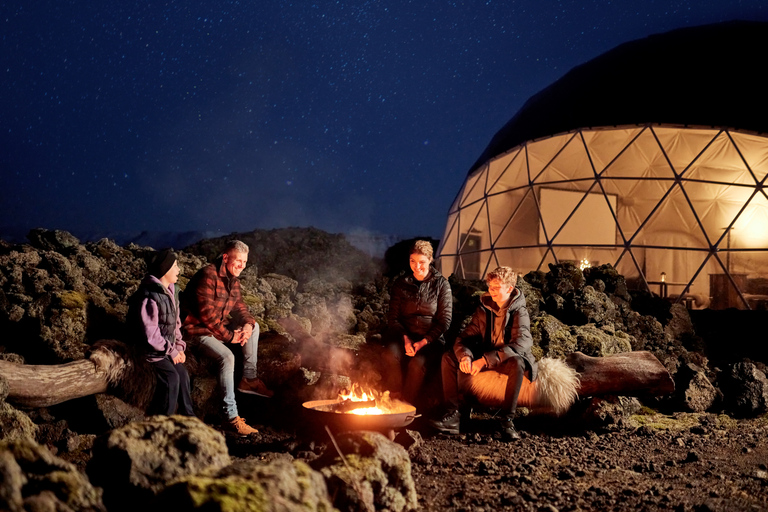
x=456 y=382
x=395 y=362
x=172 y=389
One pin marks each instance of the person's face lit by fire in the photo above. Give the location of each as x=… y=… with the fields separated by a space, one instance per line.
x=235 y=262
x=500 y=292
x=420 y=266
x=172 y=276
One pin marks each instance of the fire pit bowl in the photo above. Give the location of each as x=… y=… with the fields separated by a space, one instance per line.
x=326 y=412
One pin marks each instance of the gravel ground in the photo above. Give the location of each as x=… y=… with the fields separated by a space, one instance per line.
x=685 y=462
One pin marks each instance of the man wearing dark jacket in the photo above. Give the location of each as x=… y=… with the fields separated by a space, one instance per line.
x=498 y=338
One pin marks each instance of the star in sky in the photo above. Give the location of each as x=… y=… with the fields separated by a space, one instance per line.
x=231 y=116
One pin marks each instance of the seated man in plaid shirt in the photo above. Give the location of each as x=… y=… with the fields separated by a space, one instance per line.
x=216 y=316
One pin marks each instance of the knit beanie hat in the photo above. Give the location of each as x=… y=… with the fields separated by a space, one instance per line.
x=161 y=263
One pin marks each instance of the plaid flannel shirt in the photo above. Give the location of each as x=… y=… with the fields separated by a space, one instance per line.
x=213 y=304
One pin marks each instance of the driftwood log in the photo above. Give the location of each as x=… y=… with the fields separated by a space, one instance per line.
x=626 y=374
x=111 y=366
x=32 y=385
x=560 y=383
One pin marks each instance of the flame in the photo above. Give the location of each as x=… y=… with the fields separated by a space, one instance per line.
x=368 y=411
x=358 y=394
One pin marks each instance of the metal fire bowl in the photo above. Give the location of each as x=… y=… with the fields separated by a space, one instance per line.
x=404 y=415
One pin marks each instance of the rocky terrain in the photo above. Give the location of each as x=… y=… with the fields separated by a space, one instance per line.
x=320 y=304
x=686 y=462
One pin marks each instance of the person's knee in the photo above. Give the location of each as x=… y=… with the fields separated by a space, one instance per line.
x=448 y=362
x=514 y=365
x=227 y=361
x=418 y=364
x=255 y=334
x=173 y=383
x=392 y=352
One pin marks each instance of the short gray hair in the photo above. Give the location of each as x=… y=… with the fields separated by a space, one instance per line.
x=236 y=246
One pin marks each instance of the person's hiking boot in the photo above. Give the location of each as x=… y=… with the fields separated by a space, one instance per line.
x=237 y=425
x=255 y=387
x=448 y=423
x=507 y=429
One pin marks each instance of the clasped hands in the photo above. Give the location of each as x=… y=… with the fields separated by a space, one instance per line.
x=468 y=366
x=411 y=348
x=243 y=334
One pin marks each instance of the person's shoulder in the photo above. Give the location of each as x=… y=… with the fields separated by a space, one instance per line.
x=518 y=300
x=147 y=285
x=206 y=272
x=401 y=279
x=440 y=278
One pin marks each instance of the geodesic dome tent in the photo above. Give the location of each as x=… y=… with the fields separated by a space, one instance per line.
x=652 y=157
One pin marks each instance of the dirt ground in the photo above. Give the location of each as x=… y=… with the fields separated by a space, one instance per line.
x=685 y=462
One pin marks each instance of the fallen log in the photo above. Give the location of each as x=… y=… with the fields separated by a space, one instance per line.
x=110 y=366
x=36 y=385
x=626 y=374
x=560 y=383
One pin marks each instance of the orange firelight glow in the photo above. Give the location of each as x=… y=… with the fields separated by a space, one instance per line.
x=358 y=394
x=368 y=411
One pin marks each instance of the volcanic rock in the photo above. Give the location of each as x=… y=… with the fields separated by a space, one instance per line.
x=302 y=254
x=698 y=393
x=563 y=279
x=591 y=306
x=746 y=389
x=31 y=478
x=279 y=485
x=136 y=461
x=608 y=411
x=379 y=470
x=14 y=424
x=53 y=240
x=608 y=279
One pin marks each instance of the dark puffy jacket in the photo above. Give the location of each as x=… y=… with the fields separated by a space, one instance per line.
x=167 y=310
x=420 y=309
x=476 y=341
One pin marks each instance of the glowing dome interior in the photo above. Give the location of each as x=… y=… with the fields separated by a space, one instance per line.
x=679 y=209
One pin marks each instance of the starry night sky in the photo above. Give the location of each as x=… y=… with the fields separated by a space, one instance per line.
x=231 y=116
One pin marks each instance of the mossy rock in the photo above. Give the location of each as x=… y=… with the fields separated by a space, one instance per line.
x=380 y=468
x=250 y=486
x=14 y=424
x=32 y=473
x=255 y=303
x=70 y=299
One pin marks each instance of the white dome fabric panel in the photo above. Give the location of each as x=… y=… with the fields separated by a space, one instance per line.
x=652 y=199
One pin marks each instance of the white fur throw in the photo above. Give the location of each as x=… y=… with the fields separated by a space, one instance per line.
x=554 y=390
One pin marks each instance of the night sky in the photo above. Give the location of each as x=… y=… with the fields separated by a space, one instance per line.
x=230 y=116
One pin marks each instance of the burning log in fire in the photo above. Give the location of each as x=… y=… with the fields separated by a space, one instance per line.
x=359 y=409
x=363 y=402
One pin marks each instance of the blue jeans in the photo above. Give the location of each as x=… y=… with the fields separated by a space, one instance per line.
x=222 y=355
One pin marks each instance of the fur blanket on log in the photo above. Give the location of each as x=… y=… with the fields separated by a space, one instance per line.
x=553 y=392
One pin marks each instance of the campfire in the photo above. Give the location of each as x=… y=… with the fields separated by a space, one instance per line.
x=361 y=402
x=361 y=409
